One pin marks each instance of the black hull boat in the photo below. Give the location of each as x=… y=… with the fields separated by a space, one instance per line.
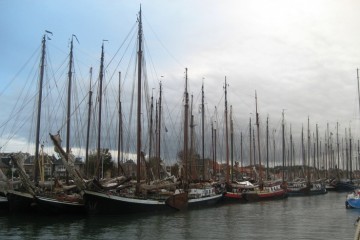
x=204 y=201
x=304 y=189
x=20 y=202
x=52 y=205
x=106 y=203
x=203 y=197
x=344 y=186
x=4 y=203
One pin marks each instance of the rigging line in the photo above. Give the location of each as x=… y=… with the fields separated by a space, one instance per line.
x=117 y=66
x=172 y=56
x=132 y=30
x=13 y=113
x=151 y=61
x=17 y=74
x=122 y=57
x=131 y=109
x=117 y=51
x=17 y=116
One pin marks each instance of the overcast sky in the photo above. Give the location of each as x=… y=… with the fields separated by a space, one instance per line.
x=300 y=56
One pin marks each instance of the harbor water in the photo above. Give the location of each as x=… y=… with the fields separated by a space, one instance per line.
x=314 y=217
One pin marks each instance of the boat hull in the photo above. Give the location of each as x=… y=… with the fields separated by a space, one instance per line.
x=234 y=197
x=4 y=204
x=345 y=186
x=20 y=202
x=352 y=203
x=306 y=192
x=103 y=203
x=50 y=205
x=207 y=201
x=256 y=196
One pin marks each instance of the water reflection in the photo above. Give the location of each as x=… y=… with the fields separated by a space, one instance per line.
x=316 y=217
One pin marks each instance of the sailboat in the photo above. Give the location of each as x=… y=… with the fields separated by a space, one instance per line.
x=306 y=187
x=234 y=189
x=130 y=199
x=63 y=199
x=191 y=194
x=202 y=194
x=23 y=201
x=263 y=190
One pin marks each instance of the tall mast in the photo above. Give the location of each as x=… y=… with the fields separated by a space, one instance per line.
x=350 y=154
x=358 y=84
x=69 y=105
x=101 y=75
x=347 y=154
x=250 y=145
x=88 y=129
x=267 y=148
x=254 y=150
x=308 y=151
x=226 y=136
x=258 y=136
x=159 y=135
x=192 y=166
x=212 y=146
x=38 y=121
x=151 y=125
x=241 y=150
x=232 y=144
x=317 y=149
x=203 y=130
x=337 y=144
x=138 y=152
x=291 y=156
x=186 y=125
x=303 y=148
x=156 y=128
x=283 y=147
x=120 y=143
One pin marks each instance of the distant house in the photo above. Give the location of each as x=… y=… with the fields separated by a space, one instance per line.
x=129 y=167
x=29 y=165
x=60 y=170
x=53 y=167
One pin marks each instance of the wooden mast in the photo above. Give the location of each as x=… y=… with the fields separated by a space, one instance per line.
x=258 y=137
x=159 y=136
x=267 y=148
x=38 y=121
x=303 y=149
x=186 y=126
x=151 y=125
x=120 y=131
x=291 y=169
x=213 y=147
x=241 y=151
x=193 y=168
x=138 y=152
x=283 y=147
x=88 y=129
x=308 y=152
x=68 y=122
x=232 y=144
x=203 y=130
x=226 y=136
x=101 y=75
x=250 y=148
